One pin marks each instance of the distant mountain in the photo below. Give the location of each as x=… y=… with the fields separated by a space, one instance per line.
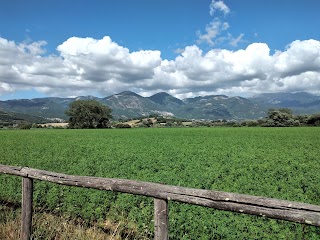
x=87 y=98
x=11 y=117
x=129 y=105
x=220 y=107
x=300 y=102
x=42 y=107
x=166 y=100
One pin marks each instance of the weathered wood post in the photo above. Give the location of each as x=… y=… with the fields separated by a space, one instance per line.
x=161 y=219
x=26 y=214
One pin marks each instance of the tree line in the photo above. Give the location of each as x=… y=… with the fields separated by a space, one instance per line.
x=93 y=114
x=284 y=117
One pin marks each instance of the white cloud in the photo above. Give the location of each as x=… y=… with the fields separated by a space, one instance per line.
x=87 y=66
x=5 y=87
x=213 y=29
x=35 y=48
x=299 y=57
x=217 y=31
x=246 y=71
x=104 y=60
x=234 y=41
x=220 y=6
x=179 y=50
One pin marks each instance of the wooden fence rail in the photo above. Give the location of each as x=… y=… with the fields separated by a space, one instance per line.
x=241 y=203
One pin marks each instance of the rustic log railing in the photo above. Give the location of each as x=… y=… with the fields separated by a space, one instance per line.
x=240 y=203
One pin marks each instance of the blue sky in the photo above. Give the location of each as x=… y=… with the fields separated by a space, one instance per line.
x=184 y=47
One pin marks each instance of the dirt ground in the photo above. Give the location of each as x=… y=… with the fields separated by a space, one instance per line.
x=54 y=125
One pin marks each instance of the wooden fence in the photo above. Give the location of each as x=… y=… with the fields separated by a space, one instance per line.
x=240 y=203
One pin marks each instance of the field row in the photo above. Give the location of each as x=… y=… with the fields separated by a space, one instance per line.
x=273 y=162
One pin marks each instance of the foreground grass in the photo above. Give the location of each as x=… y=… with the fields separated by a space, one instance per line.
x=51 y=226
x=273 y=162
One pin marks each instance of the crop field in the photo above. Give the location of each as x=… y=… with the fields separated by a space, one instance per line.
x=281 y=163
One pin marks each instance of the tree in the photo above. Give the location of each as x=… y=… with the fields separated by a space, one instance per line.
x=282 y=117
x=88 y=114
x=25 y=125
x=314 y=120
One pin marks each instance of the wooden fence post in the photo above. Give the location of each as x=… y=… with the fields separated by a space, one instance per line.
x=26 y=214
x=161 y=219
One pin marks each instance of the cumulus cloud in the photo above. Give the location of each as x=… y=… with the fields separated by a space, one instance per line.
x=104 y=60
x=87 y=66
x=217 y=68
x=246 y=71
x=299 y=57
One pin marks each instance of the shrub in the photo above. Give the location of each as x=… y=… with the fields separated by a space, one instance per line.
x=122 y=125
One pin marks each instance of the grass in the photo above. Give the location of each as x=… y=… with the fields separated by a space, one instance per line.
x=273 y=162
x=59 y=227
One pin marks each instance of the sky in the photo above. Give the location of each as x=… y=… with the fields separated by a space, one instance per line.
x=187 y=48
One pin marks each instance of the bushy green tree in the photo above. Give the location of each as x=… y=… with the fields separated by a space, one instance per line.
x=25 y=125
x=314 y=120
x=282 y=117
x=88 y=114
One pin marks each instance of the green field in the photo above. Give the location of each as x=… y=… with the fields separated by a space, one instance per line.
x=280 y=163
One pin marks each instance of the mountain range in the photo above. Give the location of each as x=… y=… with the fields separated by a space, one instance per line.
x=128 y=104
